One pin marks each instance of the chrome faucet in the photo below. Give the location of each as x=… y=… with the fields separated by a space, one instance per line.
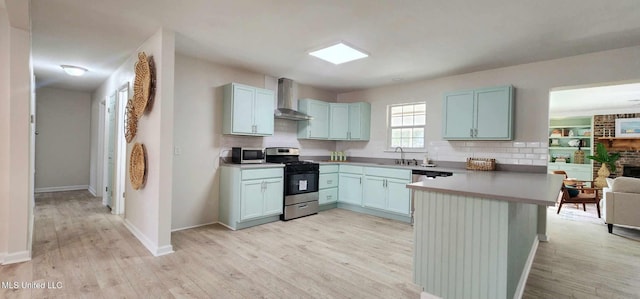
x=401 y=154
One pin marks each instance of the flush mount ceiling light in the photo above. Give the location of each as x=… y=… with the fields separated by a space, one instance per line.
x=338 y=53
x=73 y=70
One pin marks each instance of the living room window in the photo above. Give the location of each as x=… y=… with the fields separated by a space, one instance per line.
x=406 y=124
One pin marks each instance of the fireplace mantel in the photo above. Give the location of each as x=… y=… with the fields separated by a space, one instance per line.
x=620 y=143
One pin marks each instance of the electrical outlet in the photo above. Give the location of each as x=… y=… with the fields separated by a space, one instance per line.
x=177 y=150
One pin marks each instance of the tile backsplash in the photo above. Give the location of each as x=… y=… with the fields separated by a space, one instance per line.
x=505 y=152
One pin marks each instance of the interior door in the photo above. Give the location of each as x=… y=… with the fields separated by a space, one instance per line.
x=111 y=150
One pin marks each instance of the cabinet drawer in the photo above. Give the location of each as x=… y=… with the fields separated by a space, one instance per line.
x=328 y=195
x=351 y=169
x=253 y=174
x=328 y=180
x=329 y=168
x=402 y=174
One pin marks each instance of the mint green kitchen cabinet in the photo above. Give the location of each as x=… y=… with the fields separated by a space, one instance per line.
x=480 y=114
x=248 y=110
x=359 y=121
x=398 y=196
x=350 y=184
x=335 y=121
x=318 y=127
x=250 y=196
x=328 y=184
x=374 y=193
x=338 y=121
x=385 y=189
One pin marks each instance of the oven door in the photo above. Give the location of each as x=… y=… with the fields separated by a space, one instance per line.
x=301 y=182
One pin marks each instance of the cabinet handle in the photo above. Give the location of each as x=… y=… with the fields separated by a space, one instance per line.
x=329 y=181
x=361 y=181
x=475 y=132
x=329 y=196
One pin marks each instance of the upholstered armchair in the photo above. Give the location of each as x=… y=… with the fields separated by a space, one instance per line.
x=621 y=202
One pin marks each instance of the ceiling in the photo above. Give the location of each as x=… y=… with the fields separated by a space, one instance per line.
x=608 y=99
x=407 y=40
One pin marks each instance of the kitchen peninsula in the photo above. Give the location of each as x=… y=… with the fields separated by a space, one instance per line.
x=476 y=232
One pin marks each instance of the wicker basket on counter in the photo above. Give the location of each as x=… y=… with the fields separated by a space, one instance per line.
x=485 y=164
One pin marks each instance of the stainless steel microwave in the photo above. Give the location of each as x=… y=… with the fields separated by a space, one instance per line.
x=245 y=155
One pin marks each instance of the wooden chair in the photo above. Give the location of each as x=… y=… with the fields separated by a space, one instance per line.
x=585 y=195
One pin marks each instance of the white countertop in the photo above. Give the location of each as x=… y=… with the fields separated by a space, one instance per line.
x=534 y=188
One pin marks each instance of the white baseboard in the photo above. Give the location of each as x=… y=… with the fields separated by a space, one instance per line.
x=153 y=248
x=62 y=188
x=12 y=258
x=92 y=191
x=193 y=226
x=527 y=268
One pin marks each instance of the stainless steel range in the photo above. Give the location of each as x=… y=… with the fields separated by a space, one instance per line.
x=300 y=182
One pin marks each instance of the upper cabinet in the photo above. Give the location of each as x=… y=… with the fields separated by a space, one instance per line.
x=335 y=121
x=318 y=127
x=480 y=114
x=248 y=110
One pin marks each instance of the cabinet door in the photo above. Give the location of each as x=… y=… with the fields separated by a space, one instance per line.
x=273 y=197
x=319 y=125
x=251 y=201
x=494 y=108
x=398 y=196
x=263 y=113
x=373 y=193
x=350 y=189
x=355 y=122
x=458 y=112
x=243 y=107
x=339 y=121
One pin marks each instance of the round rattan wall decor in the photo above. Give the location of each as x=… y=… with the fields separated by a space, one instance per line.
x=141 y=84
x=138 y=166
x=130 y=122
x=152 y=87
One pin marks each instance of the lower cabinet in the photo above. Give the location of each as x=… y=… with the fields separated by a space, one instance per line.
x=328 y=184
x=582 y=172
x=378 y=191
x=385 y=189
x=250 y=197
x=350 y=184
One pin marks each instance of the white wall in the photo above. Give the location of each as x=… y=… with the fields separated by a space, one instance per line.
x=63 y=140
x=532 y=84
x=198 y=134
x=148 y=210
x=5 y=131
x=15 y=98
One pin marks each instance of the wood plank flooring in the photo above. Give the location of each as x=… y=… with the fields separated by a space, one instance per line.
x=335 y=254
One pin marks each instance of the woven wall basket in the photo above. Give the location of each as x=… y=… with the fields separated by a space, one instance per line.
x=141 y=84
x=131 y=122
x=138 y=166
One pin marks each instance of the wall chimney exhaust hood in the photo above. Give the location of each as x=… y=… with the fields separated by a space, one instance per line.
x=286 y=99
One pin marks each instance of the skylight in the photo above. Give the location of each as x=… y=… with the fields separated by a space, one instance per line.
x=338 y=53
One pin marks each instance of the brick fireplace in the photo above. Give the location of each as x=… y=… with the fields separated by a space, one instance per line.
x=628 y=158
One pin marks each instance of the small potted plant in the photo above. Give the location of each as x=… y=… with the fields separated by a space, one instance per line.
x=607 y=159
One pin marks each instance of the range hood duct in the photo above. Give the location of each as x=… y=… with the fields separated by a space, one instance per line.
x=286 y=99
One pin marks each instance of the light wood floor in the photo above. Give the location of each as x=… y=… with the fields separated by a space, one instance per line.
x=336 y=254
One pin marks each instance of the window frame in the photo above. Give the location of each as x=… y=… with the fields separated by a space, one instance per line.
x=390 y=128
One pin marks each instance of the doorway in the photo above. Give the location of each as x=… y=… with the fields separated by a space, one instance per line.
x=115 y=150
x=576 y=123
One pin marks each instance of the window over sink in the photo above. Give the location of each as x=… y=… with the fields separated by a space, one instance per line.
x=406 y=125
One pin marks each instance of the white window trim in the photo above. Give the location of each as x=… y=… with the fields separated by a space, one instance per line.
x=422 y=149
